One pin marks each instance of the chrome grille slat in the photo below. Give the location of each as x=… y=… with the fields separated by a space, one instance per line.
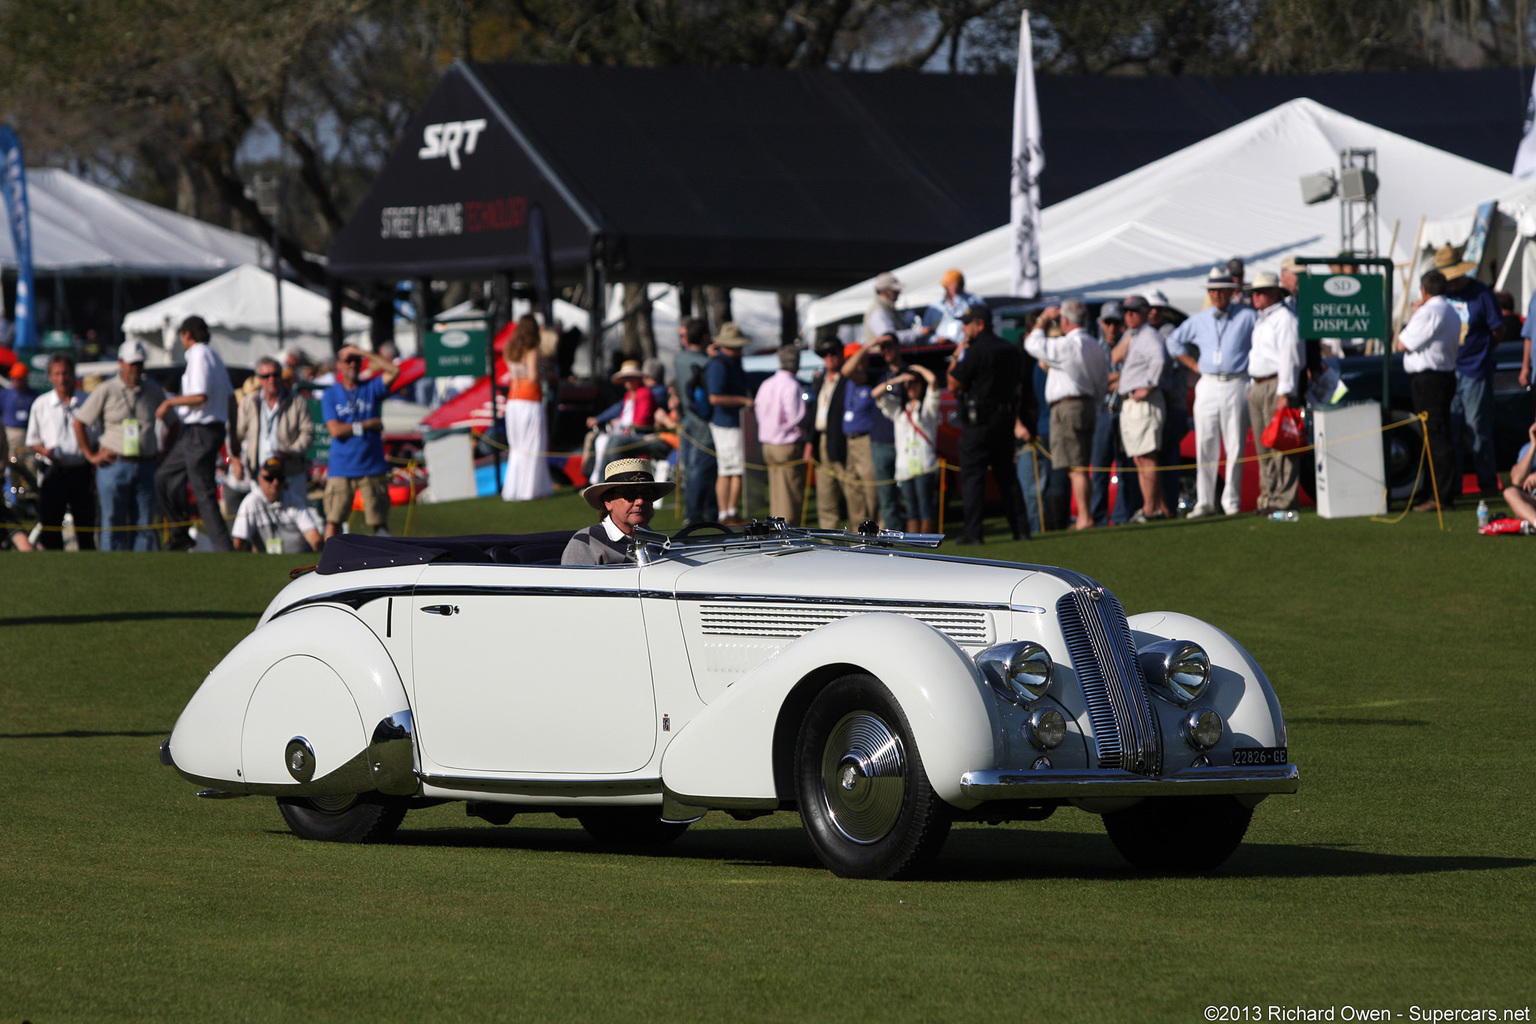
x=791 y=622
x=1103 y=654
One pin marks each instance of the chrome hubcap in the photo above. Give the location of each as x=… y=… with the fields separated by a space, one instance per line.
x=864 y=777
x=334 y=804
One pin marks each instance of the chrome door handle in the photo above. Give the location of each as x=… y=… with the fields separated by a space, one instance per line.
x=440 y=609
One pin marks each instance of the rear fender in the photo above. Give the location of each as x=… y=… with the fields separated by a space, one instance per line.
x=724 y=757
x=317 y=677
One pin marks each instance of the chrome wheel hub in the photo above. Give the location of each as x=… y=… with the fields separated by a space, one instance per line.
x=864 y=777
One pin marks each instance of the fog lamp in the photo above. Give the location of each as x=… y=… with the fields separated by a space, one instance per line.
x=1202 y=728
x=1046 y=729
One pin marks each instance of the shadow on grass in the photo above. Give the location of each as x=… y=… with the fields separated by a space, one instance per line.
x=971 y=854
x=1318 y=720
x=95 y=618
x=79 y=734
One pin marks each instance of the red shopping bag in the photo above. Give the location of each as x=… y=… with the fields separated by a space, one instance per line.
x=1285 y=431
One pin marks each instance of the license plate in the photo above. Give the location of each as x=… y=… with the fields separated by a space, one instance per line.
x=1258 y=755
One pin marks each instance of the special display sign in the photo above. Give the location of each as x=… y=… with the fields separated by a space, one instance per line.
x=455 y=352
x=1342 y=306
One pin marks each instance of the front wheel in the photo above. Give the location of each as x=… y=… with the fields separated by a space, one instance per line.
x=352 y=818
x=864 y=797
x=1179 y=834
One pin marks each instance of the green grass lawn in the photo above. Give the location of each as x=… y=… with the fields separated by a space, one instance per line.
x=1402 y=874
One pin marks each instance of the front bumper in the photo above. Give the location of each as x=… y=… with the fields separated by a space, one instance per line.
x=1050 y=784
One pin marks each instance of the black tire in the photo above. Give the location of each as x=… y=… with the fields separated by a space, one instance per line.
x=619 y=827
x=1179 y=834
x=864 y=797
x=368 y=818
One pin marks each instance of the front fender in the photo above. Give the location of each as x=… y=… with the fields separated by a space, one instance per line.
x=319 y=674
x=724 y=756
x=1239 y=690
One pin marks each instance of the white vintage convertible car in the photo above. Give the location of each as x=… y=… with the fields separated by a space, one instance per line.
x=882 y=693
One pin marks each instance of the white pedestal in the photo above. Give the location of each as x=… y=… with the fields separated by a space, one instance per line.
x=450 y=468
x=1351 y=479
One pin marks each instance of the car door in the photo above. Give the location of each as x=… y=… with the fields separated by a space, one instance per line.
x=532 y=670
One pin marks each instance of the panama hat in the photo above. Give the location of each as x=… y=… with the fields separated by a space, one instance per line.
x=630 y=368
x=1447 y=261
x=626 y=473
x=1265 y=281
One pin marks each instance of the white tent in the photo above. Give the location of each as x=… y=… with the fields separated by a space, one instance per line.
x=1234 y=194
x=80 y=228
x=241 y=310
x=1509 y=254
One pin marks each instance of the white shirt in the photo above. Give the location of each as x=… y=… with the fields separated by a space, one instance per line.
x=1079 y=366
x=1431 y=336
x=205 y=375
x=917 y=430
x=273 y=528
x=1277 y=348
x=52 y=425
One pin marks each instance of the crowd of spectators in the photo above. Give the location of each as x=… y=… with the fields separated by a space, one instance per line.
x=132 y=467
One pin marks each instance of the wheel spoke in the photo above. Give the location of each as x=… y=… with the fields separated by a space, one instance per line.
x=863 y=777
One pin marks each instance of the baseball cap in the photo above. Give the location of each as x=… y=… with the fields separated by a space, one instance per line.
x=130 y=352
x=980 y=311
x=887 y=282
x=19 y=371
x=1110 y=311
x=1135 y=304
x=273 y=467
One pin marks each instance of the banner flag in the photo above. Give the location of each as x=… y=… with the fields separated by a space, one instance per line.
x=1024 y=177
x=1525 y=156
x=13 y=181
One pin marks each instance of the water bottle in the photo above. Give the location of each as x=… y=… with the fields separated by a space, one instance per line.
x=1284 y=515
x=1482 y=514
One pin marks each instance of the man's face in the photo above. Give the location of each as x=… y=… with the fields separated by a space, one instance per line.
x=1111 y=329
x=1134 y=318
x=833 y=361
x=271 y=381
x=891 y=351
x=348 y=368
x=1264 y=298
x=972 y=328
x=1288 y=280
x=62 y=378
x=1221 y=298
x=271 y=486
x=629 y=507
x=1154 y=316
x=890 y=294
x=951 y=289
x=131 y=374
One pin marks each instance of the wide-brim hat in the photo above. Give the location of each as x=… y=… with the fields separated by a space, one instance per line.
x=730 y=336
x=1449 y=263
x=1218 y=279
x=630 y=368
x=1265 y=281
x=1156 y=298
x=626 y=473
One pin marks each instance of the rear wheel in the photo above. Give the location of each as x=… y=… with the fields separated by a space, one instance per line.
x=350 y=818
x=617 y=827
x=864 y=797
x=1179 y=833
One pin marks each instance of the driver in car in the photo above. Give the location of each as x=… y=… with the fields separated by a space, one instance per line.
x=629 y=487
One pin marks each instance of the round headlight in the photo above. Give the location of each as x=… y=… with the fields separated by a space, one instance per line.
x=1047 y=728
x=1180 y=669
x=1020 y=671
x=1202 y=728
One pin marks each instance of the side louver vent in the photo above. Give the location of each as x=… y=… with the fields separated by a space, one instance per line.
x=969 y=628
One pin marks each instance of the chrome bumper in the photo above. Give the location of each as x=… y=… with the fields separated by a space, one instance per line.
x=1050 y=784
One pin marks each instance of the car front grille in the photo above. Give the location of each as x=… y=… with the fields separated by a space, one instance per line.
x=965 y=627
x=1099 y=641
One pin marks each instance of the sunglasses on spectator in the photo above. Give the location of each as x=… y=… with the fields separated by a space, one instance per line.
x=269 y=478
x=267 y=376
x=631 y=494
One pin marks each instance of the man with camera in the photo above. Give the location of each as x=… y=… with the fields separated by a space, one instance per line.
x=985 y=374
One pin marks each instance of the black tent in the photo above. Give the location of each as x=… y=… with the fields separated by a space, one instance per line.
x=807 y=179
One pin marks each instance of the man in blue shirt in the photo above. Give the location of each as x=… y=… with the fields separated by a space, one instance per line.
x=351 y=412
x=726 y=383
x=1215 y=343
x=1482 y=325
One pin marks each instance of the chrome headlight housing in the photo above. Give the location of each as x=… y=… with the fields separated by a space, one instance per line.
x=1046 y=728
x=1020 y=671
x=1178 y=669
x=1202 y=728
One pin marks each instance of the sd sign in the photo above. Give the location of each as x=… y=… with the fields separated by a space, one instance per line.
x=455 y=352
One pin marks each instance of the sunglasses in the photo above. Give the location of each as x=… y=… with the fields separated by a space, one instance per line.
x=267 y=376
x=269 y=478
x=630 y=494
x=353 y=361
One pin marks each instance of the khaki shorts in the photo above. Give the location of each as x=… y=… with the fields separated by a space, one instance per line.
x=729 y=458
x=1072 y=434
x=1141 y=424
x=338 y=498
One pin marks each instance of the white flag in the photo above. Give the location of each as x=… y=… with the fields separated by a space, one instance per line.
x=1525 y=156
x=1028 y=162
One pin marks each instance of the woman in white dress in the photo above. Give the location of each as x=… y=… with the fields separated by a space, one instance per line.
x=527 y=472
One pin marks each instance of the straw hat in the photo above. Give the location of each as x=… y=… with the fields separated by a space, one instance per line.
x=1265 y=281
x=1448 y=262
x=623 y=473
x=730 y=336
x=630 y=368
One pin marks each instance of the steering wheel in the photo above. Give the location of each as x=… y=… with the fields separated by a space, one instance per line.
x=701 y=526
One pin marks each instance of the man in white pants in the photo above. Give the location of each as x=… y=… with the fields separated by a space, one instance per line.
x=1215 y=343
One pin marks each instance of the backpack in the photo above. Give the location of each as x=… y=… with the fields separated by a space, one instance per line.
x=698 y=393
